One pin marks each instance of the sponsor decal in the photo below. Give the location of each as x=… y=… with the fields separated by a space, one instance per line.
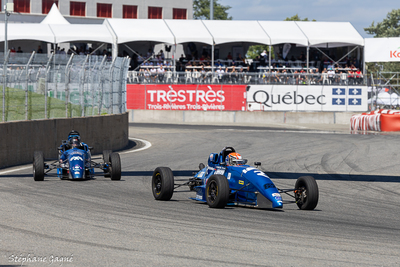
x=241 y=182
x=186 y=97
x=199 y=197
x=355 y=101
x=220 y=171
x=76 y=158
x=201 y=174
x=277 y=197
x=338 y=101
x=395 y=53
x=354 y=91
x=229 y=176
x=255 y=170
x=338 y=91
x=289 y=98
x=270 y=185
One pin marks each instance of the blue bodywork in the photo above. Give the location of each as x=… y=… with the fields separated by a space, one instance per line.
x=248 y=185
x=76 y=162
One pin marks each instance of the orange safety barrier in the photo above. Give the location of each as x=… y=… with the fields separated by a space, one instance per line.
x=379 y=120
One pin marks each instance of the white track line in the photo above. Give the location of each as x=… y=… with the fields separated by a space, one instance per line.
x=147 y=145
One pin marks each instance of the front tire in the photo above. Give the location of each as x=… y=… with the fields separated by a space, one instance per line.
x=306 y=193
x=217 y=191
x=115 y=169
x=162 y=183
x=38 y=166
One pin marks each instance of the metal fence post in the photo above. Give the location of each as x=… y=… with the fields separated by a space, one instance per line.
x=26 y=85
x=67 y=71
x=48 y=67
x=6 y=57
x=81 y=86
x=101 y=81
x=112 y=85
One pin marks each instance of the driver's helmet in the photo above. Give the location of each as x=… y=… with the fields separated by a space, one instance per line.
x=74 y=134
x=234 y=159
x=74 y=142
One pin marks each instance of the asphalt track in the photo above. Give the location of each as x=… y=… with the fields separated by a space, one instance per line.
x=118 y=223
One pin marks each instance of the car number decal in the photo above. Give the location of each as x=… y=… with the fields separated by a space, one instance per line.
x=219 y=171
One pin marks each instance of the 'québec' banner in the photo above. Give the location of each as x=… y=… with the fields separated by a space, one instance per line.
x=307 y=98
x=186 y=97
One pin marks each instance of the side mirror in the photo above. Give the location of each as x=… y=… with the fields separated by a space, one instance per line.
x=201 y=166
x=59 y=148
x=90 y=148
x=258 y=164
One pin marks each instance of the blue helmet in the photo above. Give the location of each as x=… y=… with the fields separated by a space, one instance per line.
x=74 y=135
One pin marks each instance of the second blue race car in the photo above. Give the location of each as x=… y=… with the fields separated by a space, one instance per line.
x=228 y=180
x=75 y=162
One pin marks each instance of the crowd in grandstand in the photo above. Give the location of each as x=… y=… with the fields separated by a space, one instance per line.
x=155 y=68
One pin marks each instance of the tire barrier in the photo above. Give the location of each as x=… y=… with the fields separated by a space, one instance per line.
x=382 y=120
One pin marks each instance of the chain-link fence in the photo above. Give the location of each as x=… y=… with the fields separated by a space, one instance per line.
x=41 y=86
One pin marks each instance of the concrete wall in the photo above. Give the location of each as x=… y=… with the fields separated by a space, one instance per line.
x=239 y=117
x=20 y=139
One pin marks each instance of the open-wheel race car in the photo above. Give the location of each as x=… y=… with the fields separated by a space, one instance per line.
x=75 y=162
x=227 y=180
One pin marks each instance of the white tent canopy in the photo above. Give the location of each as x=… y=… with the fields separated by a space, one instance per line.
x=282 y=32
x=119 y=31
x=232 y=31
x=81 y=32
x=27 y=31
x=190 y=31
x=54 y=17
x=330 y=34
x=134 y=30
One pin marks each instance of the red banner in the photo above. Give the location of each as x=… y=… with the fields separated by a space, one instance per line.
x=186 y=97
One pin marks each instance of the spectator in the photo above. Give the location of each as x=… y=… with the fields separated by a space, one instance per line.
x=229 y=56
x=161 y=72
x=220 y=74
x=19 y=50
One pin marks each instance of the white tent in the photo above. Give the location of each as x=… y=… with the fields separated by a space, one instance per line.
x=133 y=30
x=330 y=34
x=232 y=31
x=282 y=32
x=190 y=31
x=54 y=17
x=81 y=32
x=27 y=31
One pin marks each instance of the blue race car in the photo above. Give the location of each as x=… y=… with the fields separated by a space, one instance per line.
x=227 y=180
x=75 y=161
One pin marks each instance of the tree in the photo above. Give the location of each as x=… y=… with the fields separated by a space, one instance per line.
x=297 y=18
x=201 y=10
x=389 y=27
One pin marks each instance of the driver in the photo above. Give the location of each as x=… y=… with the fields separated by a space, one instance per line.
x=234 y=159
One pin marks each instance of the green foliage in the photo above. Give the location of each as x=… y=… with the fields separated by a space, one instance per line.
x=297 y=18
x=389 y=27
x=201 y=10
x=256 y=50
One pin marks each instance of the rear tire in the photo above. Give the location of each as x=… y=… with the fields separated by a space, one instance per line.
x=162 y=183
x=217 y=191
x=306 y=193
x=38 y=166
x=115 y=169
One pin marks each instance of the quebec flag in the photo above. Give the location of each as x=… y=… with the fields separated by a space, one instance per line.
x=338 y=101
x=354 y=91
x=354 y=101
x=339 y=91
